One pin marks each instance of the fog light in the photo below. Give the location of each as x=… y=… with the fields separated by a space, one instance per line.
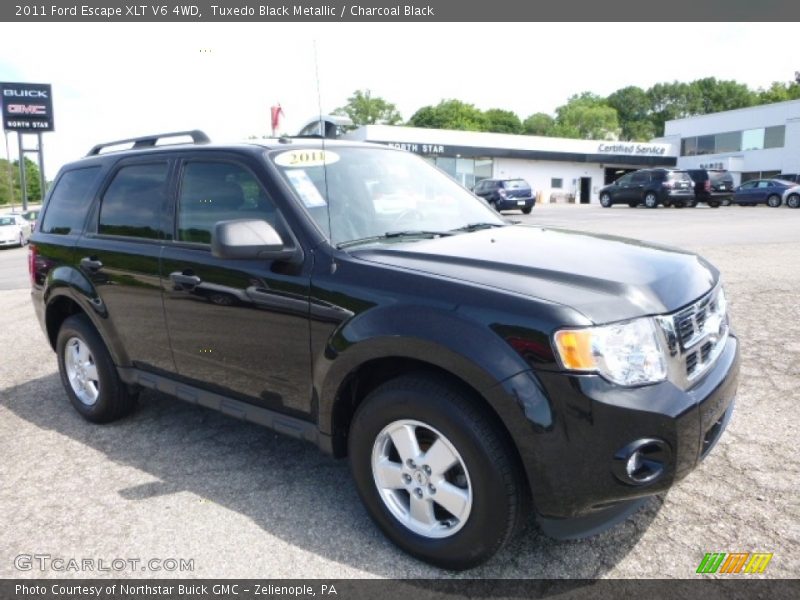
x=641 y=462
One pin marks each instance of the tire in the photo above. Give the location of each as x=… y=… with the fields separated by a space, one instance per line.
x=605 y=200
x=527 y=210
x=633 y=204
x=774 y=201
x=486 y=492
x=713 y=203
x=88 y=373
x=651 y=200
x=678 y=205
x=793 y=201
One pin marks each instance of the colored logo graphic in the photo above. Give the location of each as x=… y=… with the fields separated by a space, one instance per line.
x=734 y=562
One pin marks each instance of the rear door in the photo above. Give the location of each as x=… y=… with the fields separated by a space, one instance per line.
x=238 y=327
x=635 y=191
x=746 y=192
x=120 y=254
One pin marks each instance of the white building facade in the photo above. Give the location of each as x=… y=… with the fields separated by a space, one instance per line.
x=751 y=143
x=553 y=166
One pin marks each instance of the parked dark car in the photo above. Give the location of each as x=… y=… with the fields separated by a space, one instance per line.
x=795 y=177
x=471 y=369
x=715 y=187
x=506 y=194
x=650 y=187
x=762 y=191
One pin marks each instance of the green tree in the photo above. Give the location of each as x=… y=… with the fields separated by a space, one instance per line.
x=633 y=110
x=6 y=184
x=498 y=120
x=710 y=95
x=449 y=114
x=539 y=124
x=779 y=92
x=32 y=180
x=365 y=109
x=586 y=116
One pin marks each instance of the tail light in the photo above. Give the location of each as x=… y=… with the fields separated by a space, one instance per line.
x=32 y=263
x=668 y=183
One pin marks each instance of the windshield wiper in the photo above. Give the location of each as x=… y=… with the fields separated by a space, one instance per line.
x=395 y=234
x=477 y=226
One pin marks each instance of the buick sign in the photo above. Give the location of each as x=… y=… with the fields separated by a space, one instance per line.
x=27 y=107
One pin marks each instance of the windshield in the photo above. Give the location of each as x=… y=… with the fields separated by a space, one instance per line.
x=7 y=221
x=371 y=192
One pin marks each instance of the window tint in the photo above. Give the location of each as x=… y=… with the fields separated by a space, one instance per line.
x=516 y=184
x=625 y=179
x=66 y=211
x=774 y=137
x=749 y=185
x=134 y=202
x=213 y=191
x=640 y=177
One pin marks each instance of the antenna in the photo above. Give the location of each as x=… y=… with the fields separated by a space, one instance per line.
x=321 y=126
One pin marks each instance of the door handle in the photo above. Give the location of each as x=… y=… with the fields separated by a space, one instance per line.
x=185 y=278
x=91 y=264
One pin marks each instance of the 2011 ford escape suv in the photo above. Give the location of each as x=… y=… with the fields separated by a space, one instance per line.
x=471 y=370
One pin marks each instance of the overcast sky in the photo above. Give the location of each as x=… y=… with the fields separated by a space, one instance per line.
x=113 y=81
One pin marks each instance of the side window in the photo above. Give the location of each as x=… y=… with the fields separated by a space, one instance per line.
x=213 y=191
x=134 y=203
x=640 y=177
x=749 y=185
x=69 y=203
x=764 y=184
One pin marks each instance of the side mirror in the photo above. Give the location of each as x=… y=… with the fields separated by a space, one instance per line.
x=248 y=239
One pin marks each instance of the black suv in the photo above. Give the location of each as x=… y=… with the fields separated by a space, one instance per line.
x=650 y=187
x=506 y=194
x=715 y=187
x=469 y=368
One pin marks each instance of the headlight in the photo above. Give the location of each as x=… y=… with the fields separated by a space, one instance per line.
x=624 y=353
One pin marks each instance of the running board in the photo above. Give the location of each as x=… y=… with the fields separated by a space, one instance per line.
x=291 y=426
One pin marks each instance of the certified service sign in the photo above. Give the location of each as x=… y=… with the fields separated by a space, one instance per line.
x=27 y=107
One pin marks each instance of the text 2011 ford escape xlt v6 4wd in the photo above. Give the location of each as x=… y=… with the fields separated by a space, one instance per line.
x=356 y=297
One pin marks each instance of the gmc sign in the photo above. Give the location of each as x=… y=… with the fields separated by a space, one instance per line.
x=27 y=107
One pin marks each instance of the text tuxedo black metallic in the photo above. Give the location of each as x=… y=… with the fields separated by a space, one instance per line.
x=471 y=369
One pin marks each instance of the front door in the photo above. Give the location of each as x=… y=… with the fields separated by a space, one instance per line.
x=586 y=190
x=238 y=327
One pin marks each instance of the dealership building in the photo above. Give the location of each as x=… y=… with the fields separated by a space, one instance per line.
x=751 y=143
x=556 y=167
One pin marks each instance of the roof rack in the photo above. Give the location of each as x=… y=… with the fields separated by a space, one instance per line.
x=149 y=141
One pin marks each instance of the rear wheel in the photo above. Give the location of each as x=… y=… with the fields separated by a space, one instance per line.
x=527 y=210
x=793 y=201
x=651 y=200
x=678 y=205
x=633 y=204
x=713 y=203
x=774 y=201
x=435 y=473
x=605 y=200
x=88 y=373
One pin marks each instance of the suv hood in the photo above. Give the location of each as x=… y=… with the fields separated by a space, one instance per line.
x=604 y=277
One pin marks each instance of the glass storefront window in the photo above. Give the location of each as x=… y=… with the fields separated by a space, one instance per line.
x=705 y=144
x=728 y=142
x=774 y=136
x=753 y=139
x=689 y=146
x=483 y=168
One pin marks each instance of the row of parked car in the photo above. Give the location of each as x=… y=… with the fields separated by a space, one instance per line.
x=686 y=188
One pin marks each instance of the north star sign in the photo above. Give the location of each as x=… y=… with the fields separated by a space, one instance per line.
x=27 y=107
x=622 y=148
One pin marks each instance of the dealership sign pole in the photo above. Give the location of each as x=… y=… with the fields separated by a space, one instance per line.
x=28 y=108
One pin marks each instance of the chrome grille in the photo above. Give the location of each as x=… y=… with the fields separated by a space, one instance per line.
x=695 y=336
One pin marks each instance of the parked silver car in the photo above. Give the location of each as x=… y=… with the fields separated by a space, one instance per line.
x=14 y=230
x=791 y=197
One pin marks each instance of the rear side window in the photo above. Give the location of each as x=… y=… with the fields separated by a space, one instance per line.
x=69 y=202
x=679 y=176
x=134 y=203
x=640 y=177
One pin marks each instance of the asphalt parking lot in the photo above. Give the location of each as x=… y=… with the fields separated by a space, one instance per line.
x=182 y=482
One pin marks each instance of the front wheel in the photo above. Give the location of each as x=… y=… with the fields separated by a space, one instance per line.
x=435 y=472
x=793 y=201
x=651 y=200
x=605 y=200
x=774 y=201
x=88 y=373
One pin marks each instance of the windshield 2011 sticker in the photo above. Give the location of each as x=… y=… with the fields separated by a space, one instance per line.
x=305 y=188
x=306 y=158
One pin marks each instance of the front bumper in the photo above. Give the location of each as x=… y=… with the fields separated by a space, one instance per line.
x=578 y=424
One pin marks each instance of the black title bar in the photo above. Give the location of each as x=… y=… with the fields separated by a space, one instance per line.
x=712 y=11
